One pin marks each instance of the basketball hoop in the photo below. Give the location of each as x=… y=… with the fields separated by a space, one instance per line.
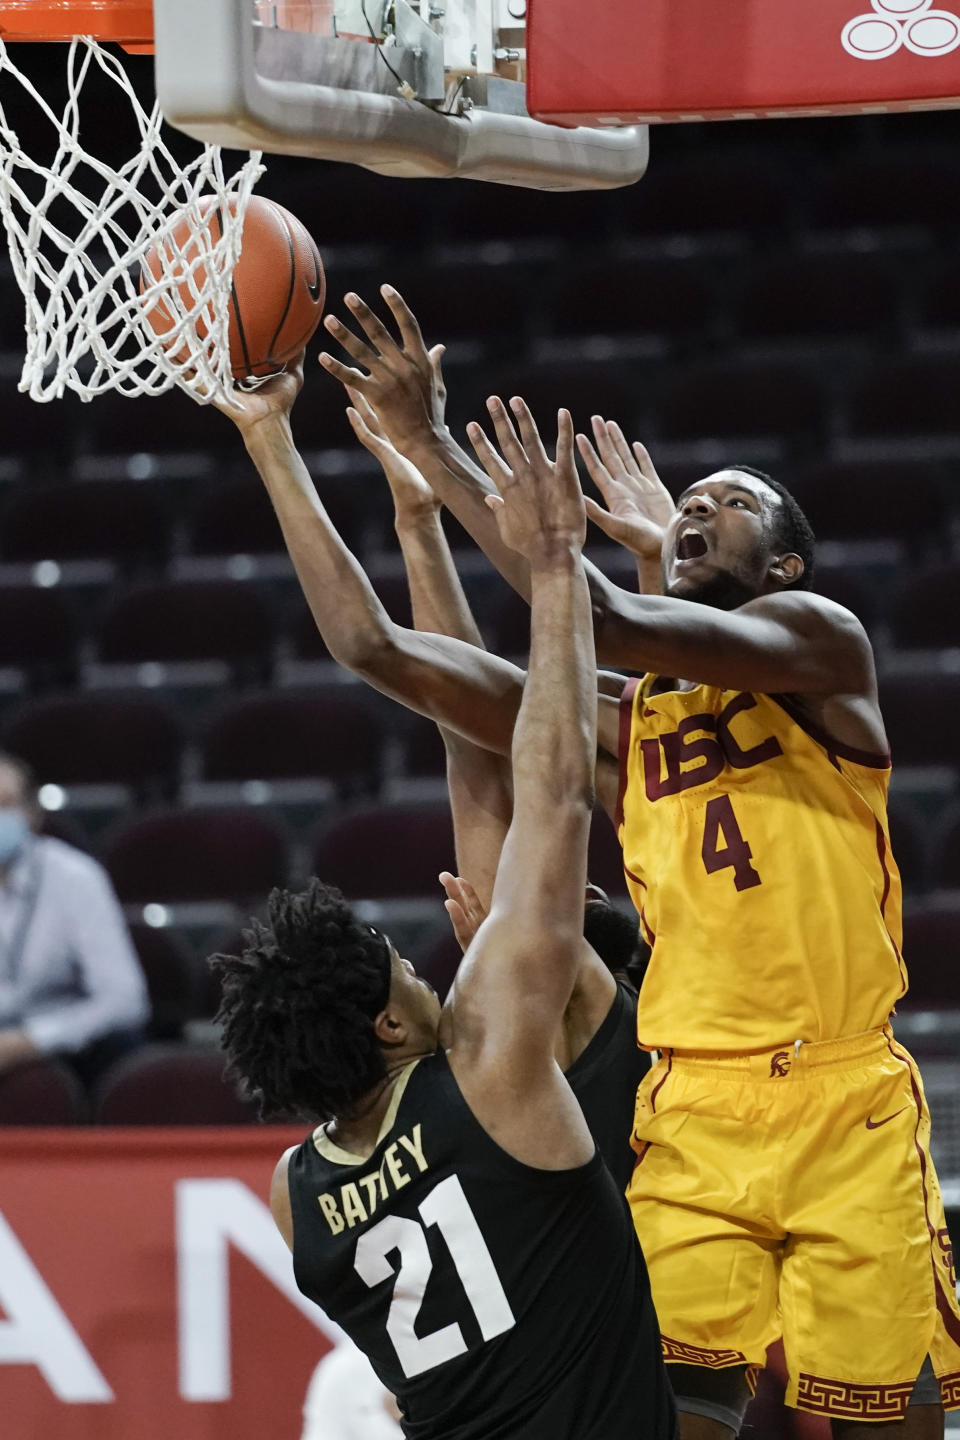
x=78 y=227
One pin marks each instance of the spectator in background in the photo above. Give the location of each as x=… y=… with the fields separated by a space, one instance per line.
x=70 y=981
x=346 y=1401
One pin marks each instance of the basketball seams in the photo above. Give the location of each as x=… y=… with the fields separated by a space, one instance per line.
x=270 y=360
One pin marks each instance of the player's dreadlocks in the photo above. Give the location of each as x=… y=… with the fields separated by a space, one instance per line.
x=794 y=532
x=298 y=1005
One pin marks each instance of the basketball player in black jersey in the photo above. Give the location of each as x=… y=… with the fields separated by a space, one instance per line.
x=451 y=1211
x=596 y=1042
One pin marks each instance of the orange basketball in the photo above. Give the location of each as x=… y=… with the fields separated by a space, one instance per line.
x=277 y=293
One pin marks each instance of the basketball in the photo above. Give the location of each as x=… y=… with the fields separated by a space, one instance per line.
x=278 y=288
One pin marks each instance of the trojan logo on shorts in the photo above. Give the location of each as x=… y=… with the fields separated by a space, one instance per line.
x=780 y=1064
x=893 y=25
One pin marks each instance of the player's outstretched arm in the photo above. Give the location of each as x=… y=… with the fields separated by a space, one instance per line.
x=481 y=798
x=399 y=378
x=474 y=693
x=517 y=977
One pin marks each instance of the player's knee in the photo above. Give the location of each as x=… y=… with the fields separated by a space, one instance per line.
x=720 y=1395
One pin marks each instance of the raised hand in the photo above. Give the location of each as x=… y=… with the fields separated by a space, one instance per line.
x=401 y=379
x=639 y=505
x=270 y=401
x=540 y=502
x=412 y=495
x=463 y=906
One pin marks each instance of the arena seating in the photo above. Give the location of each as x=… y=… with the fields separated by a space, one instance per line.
x=785 y=295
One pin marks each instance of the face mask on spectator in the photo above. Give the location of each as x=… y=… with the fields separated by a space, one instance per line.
x=13 y=834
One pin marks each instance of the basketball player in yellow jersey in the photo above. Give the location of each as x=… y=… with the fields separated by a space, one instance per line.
x=783 y=1182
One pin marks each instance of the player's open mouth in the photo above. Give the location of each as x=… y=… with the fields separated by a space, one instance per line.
x=691 y=544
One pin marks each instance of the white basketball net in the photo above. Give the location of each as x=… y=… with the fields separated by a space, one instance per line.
x=78 y=231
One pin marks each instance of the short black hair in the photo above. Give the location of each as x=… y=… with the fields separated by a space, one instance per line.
x=794 y=533
x=615 y=936
x=298 y=1005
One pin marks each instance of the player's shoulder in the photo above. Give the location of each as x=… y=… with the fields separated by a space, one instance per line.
x=805 y=609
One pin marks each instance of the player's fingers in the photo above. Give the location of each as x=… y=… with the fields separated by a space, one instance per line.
x=344 y=373
x=487 y=455
x=436 y=365
x=529 y=434
x=364 y=434
x=621 y=448
x=462 y=928
x=565 y=442
x=370 y=417
x=512 y=450
x=407 y=322
x=596 y=469
x=371 y=324
x=356 y=348
x=610 y=524
x=605 y=446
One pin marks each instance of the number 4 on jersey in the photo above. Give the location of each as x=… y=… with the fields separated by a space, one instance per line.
x=447 y=1207
x=720 y=824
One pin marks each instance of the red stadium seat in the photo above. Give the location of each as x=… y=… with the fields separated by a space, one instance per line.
x=171 y=1085
x=102 y=519
x=615 y=296
x=175 y=620
x=920 y=715
x=855 y=500
x=171 y=971
x=913 y=395
x=818 y=295
x=335 y=733
x=42 y=1092
x=910 y=186
x=38 y=633
x=931 y=948
x=926 y=608
x=204 y=854
x=947 y=858
x=236 y=517
x=733 y=398
x=908 y=843
x=98 y=739
x=732 y=195
x=387 y=851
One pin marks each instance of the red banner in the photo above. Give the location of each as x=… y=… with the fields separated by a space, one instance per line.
x=144 y=1290
x=697 y=59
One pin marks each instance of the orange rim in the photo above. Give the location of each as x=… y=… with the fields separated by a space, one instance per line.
x=126 y=22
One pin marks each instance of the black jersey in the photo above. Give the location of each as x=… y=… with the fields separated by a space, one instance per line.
x=496 y=1301
x=605 y=1076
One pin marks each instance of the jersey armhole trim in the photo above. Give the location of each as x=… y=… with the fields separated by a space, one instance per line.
x=626 y=725
x=869 y=759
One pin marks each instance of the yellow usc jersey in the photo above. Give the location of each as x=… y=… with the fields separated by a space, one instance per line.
x=758 y=856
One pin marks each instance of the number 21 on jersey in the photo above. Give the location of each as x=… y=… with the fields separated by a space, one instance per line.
x=447 y=1207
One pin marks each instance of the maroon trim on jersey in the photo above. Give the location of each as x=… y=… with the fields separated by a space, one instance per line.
x=869 y=758
x=950 y=1390
x=882 y=853
x=821 y=1395
x=661 y=1082
x=626 y=723
x=950 y=1322
x=679 y=1352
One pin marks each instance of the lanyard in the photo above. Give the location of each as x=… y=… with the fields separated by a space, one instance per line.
x=12 y=958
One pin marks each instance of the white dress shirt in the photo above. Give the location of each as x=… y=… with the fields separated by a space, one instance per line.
x=68 y=970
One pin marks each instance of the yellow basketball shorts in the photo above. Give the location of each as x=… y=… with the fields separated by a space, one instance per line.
x=791 y=1194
